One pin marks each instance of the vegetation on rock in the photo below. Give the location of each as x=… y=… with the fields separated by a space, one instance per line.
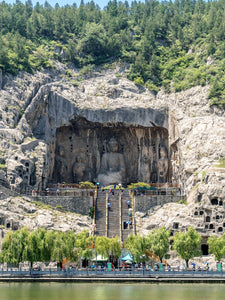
x=221 y=163
x=176 y=45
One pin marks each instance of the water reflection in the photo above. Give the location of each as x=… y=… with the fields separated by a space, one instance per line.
x=100 y=291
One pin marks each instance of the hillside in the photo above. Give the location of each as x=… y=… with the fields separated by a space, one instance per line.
x=172 y=45
x=29 y=143
x=151 y=75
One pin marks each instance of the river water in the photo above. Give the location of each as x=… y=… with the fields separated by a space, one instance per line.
x=105 y=291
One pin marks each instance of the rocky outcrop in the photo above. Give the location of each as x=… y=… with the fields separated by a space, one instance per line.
x=102 y=101
x=41 y=113
x=18 y=212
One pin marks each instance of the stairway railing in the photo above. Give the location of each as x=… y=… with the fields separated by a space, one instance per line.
x=106 y=213
x=120 y=214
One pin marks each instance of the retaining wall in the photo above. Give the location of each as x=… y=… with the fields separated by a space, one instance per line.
x=145 y=202
x=79 y=203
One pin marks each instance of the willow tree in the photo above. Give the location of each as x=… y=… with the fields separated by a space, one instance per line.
x=72 y=251
x=14 y=245
x=102 y=246
x=138 y=247
x=35 y=247
x=187 y=244
x=115 y=248
x=84 y=244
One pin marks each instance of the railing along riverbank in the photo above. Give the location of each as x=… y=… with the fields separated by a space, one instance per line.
x=16 y=274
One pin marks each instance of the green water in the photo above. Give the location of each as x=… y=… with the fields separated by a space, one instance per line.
x=73 y=291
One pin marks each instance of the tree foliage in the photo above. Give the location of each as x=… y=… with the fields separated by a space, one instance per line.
x=217 y=246
x=138 y=247
x=187 y=244
x=176 y=45
x=159 y=242
x=42 y=245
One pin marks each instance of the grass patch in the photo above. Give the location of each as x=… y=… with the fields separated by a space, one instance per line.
x=182 y=201
x=221 y=163
x=3 y=167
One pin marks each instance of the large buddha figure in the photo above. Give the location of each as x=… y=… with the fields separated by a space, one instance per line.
x=112 y=170
x=61 y=164
x=163 y=166
x=78 y=170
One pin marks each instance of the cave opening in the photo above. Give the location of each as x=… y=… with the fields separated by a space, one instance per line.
x=205 y=249
x=214 y=201
x=83 y=148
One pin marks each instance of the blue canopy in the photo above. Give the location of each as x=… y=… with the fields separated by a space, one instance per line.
x=127 y=257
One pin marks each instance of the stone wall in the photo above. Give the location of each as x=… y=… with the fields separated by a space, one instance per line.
x=146 y=202
x=79 y=203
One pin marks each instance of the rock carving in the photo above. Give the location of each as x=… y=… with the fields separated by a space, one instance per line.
x=78 y=170
x=163 y=165
x=112 y=170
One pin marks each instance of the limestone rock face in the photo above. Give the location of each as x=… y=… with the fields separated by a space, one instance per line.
x=54 y=129
x=58 y=123
x=18 y=212
x=0 y=79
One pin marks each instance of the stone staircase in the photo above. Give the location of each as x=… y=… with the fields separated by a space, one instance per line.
x=113 y=221
x=114 y=215
x=100 y=214
x=126 y=228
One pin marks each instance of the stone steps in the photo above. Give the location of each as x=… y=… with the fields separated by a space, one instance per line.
x=113 y=214
x=100 y=214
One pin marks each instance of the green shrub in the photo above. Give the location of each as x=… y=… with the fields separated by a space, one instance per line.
x=86 y=185
x=112 y=187
x=59 y=207
x=86 y=70
x=182 y=201
x=3 y=167
x=138 y=185
x=139 y=81
x=21 y=113
x=68 y=73
x=152 y=87
x=91 y=212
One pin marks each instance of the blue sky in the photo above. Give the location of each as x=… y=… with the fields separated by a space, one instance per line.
x=101 y=3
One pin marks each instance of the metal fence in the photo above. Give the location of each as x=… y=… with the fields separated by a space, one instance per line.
x=116 y=273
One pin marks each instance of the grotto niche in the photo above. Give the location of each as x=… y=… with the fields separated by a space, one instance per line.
x=110 y=153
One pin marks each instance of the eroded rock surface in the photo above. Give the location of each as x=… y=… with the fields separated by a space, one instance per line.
x=18 y=212
x=41 y=113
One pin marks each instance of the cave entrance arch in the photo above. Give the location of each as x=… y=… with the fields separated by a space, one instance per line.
x=82 y=145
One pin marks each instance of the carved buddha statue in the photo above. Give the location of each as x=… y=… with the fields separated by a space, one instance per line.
x=163 y=165
x=112 y=170
x=78 y=170
x=61 y=163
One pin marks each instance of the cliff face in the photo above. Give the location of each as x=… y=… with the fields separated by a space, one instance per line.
x=48 y=120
